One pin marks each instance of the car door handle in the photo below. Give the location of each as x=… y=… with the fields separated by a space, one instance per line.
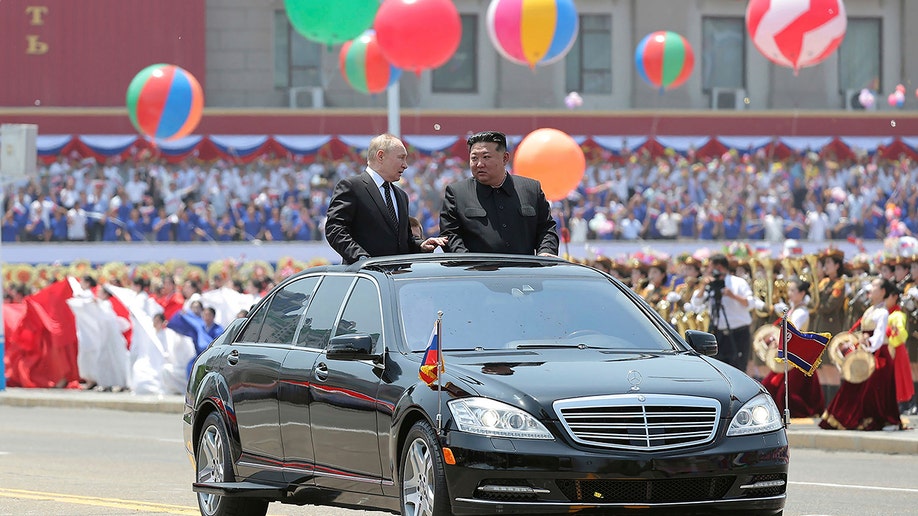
x=233 y=357
x=321 y=371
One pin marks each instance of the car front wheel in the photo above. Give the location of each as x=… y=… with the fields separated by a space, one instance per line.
x=423 y=481
x=214 y=465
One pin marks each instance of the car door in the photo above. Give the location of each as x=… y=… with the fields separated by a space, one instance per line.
x=345 y=402
x=297 y=375
x=252 y=375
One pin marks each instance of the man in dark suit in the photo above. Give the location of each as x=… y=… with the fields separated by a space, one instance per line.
x=493 y=211
x=368 y=214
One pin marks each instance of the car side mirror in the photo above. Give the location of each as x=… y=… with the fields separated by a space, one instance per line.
x=354 y=346
x=702 y=342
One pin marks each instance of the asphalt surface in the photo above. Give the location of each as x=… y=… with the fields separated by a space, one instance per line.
x=801 y=433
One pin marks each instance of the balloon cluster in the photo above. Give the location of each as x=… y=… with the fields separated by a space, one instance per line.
x=896 y=99
x=573 y=100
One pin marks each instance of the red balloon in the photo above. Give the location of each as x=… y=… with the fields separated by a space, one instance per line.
x=418 y=34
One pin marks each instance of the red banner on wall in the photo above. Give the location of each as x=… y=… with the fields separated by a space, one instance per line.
x=85 y=53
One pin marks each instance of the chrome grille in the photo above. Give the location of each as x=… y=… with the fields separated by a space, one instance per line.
x=644 y=422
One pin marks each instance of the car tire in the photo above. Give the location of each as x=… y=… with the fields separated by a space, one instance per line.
x=214 y=464
x=423 y=481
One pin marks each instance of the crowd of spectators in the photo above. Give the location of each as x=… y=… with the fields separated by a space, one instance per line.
x=637 y=196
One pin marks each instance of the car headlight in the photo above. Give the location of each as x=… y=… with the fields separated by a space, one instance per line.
x=758 y=415
x=485 y=416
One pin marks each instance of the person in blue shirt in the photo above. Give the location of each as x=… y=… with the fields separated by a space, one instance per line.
x=184 y=227
x=59 y=225
x=133 y=229
x=197 y=323
x=251 y=223
x=10 y=229
x=163 y=226
x=226 y=229
x=111 y=226
x=273 y=226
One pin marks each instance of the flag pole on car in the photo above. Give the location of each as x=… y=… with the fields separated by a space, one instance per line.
x=432 y=365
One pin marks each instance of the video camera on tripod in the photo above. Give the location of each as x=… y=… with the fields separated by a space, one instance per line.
x=715 y=288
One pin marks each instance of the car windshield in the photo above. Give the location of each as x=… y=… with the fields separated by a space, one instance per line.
x=518 y=312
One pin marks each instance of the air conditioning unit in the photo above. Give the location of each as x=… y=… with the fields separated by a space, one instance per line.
x=728 y=98
x=317 y=94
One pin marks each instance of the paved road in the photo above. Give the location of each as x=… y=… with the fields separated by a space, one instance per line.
x=102 y=454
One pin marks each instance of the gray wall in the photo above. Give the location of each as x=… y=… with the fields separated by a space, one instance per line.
x=240 y=62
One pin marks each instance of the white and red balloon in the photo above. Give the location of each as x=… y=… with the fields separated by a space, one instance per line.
x=795 y=33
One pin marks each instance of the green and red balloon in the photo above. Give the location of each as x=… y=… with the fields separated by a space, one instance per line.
x=364 y=67
x=664 y=59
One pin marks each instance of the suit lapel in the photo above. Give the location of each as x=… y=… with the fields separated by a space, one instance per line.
x=375 y=194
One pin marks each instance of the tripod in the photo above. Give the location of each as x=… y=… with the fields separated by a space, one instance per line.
x=727 y=349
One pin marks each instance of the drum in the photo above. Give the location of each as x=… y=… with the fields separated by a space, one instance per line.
x=840 y=346
x=858 y=365
x=765 y=345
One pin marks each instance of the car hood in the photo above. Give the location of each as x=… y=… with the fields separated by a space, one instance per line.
x=543 y=376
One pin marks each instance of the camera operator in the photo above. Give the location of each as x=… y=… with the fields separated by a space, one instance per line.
x=729 y=300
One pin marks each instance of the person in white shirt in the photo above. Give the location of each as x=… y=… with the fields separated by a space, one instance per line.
x=730 y=304
x=76 y=223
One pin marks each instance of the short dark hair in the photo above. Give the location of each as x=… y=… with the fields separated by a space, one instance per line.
x=489 y=136
x=720 y=259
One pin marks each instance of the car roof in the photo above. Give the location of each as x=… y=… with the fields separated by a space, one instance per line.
x=455 y=264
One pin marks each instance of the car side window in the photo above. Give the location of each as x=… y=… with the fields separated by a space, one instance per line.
x=253 y=328
x=320 y=317
x=362 y=312
x=275 y=322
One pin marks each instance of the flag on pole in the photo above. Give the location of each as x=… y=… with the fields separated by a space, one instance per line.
x=804 y=349
x=432 y=365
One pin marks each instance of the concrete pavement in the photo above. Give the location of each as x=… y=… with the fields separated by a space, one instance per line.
x=801 y=433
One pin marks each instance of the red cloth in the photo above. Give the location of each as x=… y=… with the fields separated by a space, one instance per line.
x=869 y=405
x=121 y=311
x=171 y=304
x=905 y=385
x=42 y=346
x=806 y=398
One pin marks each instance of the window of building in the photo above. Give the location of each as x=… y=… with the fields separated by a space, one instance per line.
x=723 y=53
x=460 y=73
x=860 y=55
x=588 y=65
x=297 y=60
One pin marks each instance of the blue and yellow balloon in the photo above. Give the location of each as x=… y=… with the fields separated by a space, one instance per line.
x=532 y=32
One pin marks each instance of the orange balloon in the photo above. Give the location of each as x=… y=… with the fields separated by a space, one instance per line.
x=553 y=158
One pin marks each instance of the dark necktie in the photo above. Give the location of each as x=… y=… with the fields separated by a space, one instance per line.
x=389 y=205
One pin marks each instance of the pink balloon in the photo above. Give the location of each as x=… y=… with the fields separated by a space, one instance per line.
x=418 y=34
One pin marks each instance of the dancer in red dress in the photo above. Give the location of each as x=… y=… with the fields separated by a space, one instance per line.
x=805 y=397
x=870 y=405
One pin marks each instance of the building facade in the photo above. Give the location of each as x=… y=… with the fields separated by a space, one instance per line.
x=254 y=59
